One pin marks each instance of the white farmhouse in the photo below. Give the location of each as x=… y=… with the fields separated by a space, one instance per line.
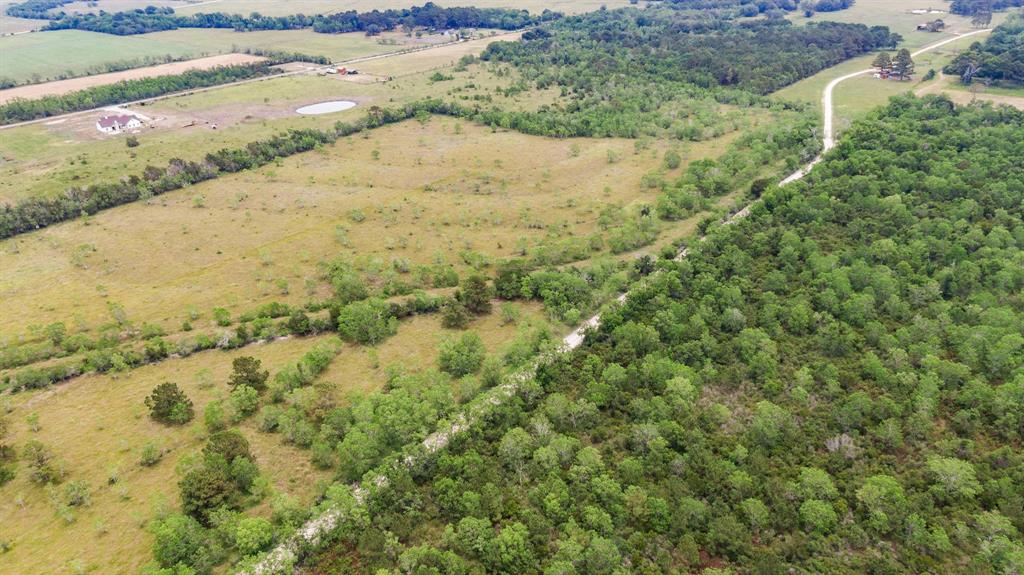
x=117 y=123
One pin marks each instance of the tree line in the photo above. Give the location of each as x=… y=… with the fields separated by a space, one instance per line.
x=430 y=15
x=999 y=59
x=843 y=369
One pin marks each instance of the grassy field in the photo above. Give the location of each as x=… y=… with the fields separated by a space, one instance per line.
x=898 y=16
x=98 y=425
x=48 y=158
x=488 y=190
x=51 y=55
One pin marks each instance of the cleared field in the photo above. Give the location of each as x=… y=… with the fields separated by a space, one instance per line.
x=59 y=87
x=10 y=25
x=962 y=94
x=856 y=96
x=53 y=55
x=428 y=191
x=50 y=157
x=445 y=56
x=285 y=7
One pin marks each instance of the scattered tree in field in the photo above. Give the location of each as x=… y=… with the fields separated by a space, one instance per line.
x=246 y=371
x=169 y=404
x=244 y=402
x=43 y=466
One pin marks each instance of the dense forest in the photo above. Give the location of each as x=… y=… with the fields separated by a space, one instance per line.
x=842 y=370
x=21 y=110
x=430 y=16
x=999 y=59
x=36 y=9
x=974 y=7
x=643 y=55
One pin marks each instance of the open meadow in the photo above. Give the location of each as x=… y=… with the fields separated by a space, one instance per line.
x=428 y=192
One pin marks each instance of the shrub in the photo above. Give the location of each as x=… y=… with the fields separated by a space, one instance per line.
x=367 y=322
x=168 y=404
x=462 y=356
x=252 y=535
x=244 y=401
x=246 y=371
x=150 y=455
x=454 y=315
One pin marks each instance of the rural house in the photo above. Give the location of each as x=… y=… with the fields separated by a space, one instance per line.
x=117 y=123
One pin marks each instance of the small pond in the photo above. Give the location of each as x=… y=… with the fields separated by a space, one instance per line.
x=326 y=107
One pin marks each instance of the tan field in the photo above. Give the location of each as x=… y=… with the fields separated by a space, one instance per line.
x=425 y=60
x=60 y=87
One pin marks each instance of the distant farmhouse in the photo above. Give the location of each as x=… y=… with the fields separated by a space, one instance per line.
x=117 y=123
x=933 y=26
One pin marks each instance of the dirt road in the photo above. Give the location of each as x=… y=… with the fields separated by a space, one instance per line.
x=59 y=87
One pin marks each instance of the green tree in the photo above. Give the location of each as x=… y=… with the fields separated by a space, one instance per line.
x=367 y=322
x=246 y=370
x=475 y=294
x=244 y=402
x=818 y=516
x=953 y=479
x=454 y=315
x=883 y=62
x=883 y=498
x=169 y=404
x=252 y=535
x=510 y=551
x=179 y=539
x=462 y=356
x=903 y=65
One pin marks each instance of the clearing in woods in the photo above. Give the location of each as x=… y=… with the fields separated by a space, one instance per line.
x=59 y=87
